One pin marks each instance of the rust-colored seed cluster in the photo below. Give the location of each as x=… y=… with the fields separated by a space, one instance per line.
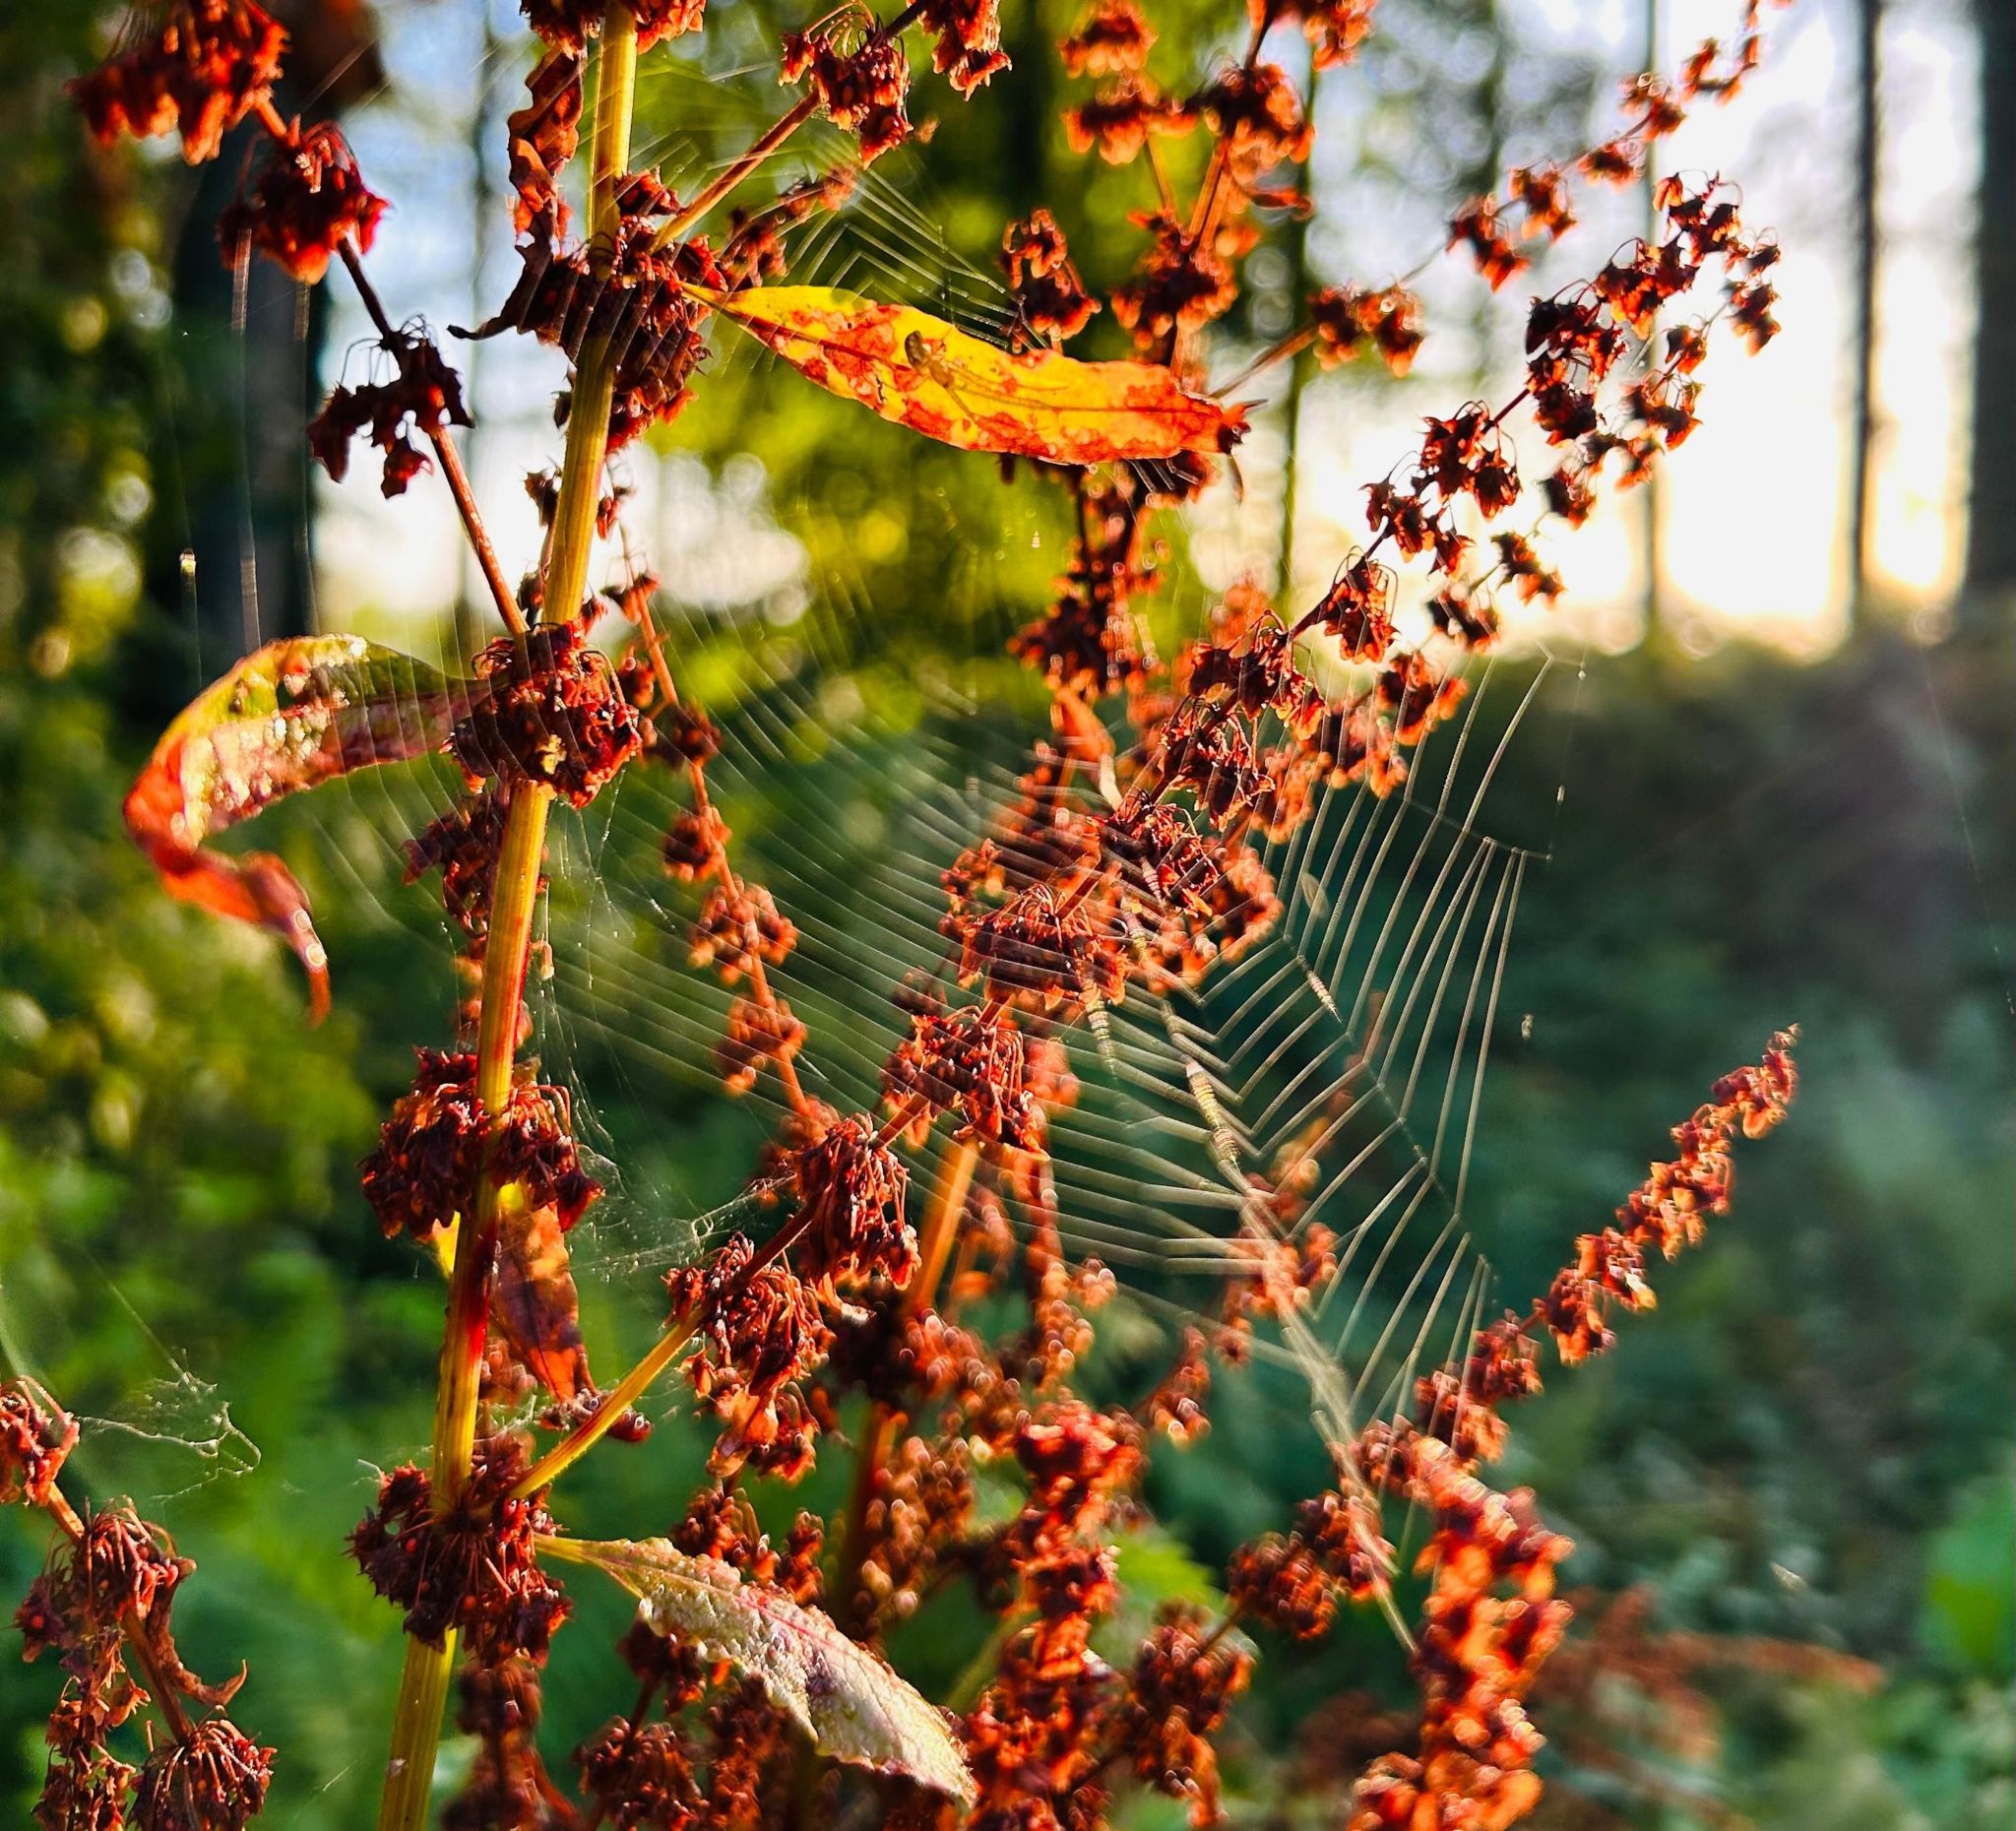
x=760 y=1332
x=850 y=1223
x=1348 y=319
x=1185 y=1678
x=1488 y=1624
x=1491 y=1618
x=101 y=1605
x=214 y=1779
x=306 y=201
x=467 y=1566
x=432 y=1150
x=423 y=395
x=36 y=1438
x=1050 y=301
x=858 y=80
x=500 y=1705
x=638 y=308
x=1131 y=861
x=200 y=69
x=571 y=25
x=553 y=716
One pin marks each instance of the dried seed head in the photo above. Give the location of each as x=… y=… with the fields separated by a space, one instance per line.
x=553 y=716
x=196 y=67
x=35 y=1436
x=472 y=1568
x=306 y=200
x=213 y=1780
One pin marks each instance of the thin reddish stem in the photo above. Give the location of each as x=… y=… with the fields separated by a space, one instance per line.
x=1290 y=346
x=761 y=147
x=452 y=471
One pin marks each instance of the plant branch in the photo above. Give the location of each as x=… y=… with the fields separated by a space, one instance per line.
x=451 y=472
x=761 y=147
x=423 y=1684
x=617 y=1400
x=166 y=1696
x=631 y=1387
x=718 y=859
x=1291 y=345
x=737 y=168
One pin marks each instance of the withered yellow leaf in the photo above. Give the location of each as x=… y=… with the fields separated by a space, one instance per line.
x=938 y=380
x=849 y=1701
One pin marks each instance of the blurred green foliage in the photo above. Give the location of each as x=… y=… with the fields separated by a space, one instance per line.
x=1809 y=1442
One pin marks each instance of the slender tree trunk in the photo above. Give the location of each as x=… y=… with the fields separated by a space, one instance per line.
x=1298 y=289
x=470 y=595
x=1489 y=174
x=1652 y=528
x=242 y=373
x=1029 y=98
x=1862 y=450
x=1991 y=569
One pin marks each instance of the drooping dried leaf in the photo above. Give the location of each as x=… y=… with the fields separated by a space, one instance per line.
x=165 y=1660
x=934 y=378
x=292 y=715
x=850 y=1704
x=534 y=1302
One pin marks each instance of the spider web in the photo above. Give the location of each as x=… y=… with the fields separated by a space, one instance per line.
x=166 y=1436
x=1357 y=1033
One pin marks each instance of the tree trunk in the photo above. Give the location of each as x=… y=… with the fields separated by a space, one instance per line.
x=1652 y=492
x=1867 y=253
x=1989 y=582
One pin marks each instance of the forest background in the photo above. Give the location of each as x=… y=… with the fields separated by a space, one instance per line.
x=1788 y=775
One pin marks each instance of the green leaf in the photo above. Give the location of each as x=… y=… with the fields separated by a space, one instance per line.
x=1156 y=1567
x=1970 y=1586
x=292 y=715
x=847 y=1700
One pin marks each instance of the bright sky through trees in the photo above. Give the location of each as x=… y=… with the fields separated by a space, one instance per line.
x=1750 y=543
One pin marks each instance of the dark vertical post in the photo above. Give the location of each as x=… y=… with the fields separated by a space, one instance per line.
x=1991 y=569
x=1297 y=289
x=1862 y=455
x=470 y=593
x=1653 y=527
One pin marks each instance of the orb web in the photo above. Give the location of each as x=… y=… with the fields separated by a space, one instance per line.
x=1355 y=1033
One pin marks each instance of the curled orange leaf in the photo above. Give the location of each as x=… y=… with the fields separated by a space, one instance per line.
x=938 y=380
x=292 y=715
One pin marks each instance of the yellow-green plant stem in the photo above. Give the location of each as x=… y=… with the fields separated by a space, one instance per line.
x=423 y=1681
x=942 y=1221
x=415 y=1734
x=632 y=1386
x=595 y=377
x=614 y=1402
